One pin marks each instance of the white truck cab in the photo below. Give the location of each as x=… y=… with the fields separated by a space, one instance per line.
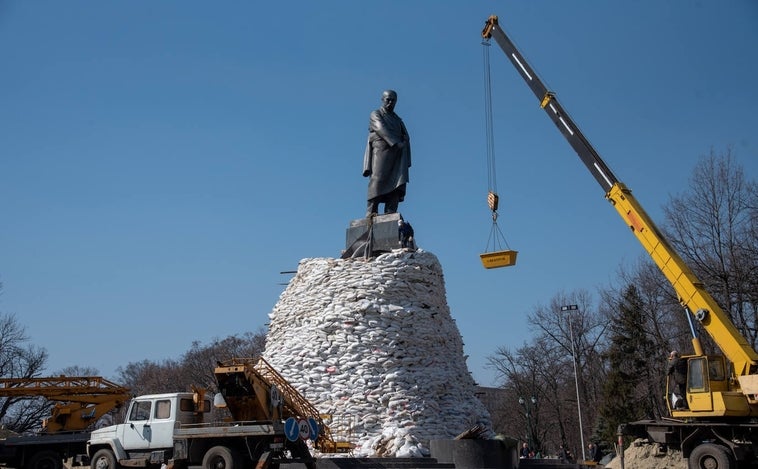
x=177 y=429
x=148 y=431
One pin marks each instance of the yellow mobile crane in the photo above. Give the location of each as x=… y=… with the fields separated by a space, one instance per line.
x=80 y=401
x=719 y=428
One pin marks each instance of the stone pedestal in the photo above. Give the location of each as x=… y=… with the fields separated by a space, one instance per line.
x=379 y=232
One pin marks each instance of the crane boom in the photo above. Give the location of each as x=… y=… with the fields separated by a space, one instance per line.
x=689 y=289
x=600 y=171
x=79 y=400
x=63 y=386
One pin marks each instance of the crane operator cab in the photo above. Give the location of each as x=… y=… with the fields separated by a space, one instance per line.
x=695 y=382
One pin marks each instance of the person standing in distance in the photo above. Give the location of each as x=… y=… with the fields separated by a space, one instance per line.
x=387 y=157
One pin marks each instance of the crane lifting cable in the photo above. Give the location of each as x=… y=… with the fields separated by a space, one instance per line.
x=497 y=257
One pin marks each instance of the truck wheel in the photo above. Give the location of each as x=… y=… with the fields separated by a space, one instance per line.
x=221 y=457
x=45 y=460
x=710 y=456
x=104 y=459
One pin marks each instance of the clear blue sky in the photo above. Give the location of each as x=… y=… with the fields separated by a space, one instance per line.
x=162 y=161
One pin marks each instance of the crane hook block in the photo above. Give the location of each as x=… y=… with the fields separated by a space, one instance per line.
x=492 y=200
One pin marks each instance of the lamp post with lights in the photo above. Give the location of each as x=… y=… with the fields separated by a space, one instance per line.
x=529 y=407
x=569 y=308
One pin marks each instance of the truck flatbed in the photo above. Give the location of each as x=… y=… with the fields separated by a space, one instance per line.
x=46 y=439
x=212 y=430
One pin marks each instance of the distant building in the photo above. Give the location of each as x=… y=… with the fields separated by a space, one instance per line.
x=494 y=400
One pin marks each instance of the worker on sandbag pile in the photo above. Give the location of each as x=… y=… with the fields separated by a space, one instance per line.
x=405 y=234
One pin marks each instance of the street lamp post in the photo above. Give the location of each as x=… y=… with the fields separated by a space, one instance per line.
x=528 y=409
x=576 y=375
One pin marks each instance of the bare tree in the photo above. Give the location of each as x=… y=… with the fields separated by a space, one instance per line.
x=587 y=328
x=544 y=368
x=77 y=370
x=663 y=319
x=198 y=363
x=149 y=377
x=713 y=226
x=19 y=359
x=660 y=317
x=194 y=368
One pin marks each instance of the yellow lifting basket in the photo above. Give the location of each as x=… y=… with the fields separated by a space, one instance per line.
x=493 y=260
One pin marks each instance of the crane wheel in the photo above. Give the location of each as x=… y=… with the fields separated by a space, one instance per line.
x=104 y=459
x=710 y=456
x=45 y=460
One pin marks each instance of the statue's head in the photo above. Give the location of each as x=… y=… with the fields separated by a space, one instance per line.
x=389 y=99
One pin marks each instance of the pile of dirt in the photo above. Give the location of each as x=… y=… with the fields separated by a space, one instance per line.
x=643 y=455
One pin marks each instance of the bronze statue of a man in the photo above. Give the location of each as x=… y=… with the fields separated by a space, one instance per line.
x=387 y=157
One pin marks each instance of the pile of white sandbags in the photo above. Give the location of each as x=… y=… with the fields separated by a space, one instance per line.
x=372 y=343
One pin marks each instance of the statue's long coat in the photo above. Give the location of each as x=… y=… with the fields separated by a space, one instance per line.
x=385 y=164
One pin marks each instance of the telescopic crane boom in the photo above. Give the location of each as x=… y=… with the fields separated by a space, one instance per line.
x=79 y=400
x=715 y=395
